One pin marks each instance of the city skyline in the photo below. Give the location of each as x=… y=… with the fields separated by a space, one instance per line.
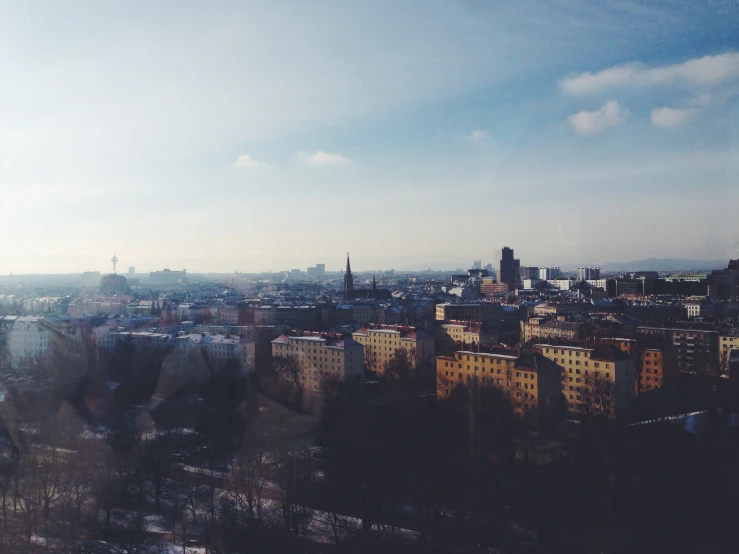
x=233 y=138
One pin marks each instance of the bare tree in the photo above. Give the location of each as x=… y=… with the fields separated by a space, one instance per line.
x=287 y=368
x=294 y=478
x=599 y=395
x=249 y=472
x=28 y=494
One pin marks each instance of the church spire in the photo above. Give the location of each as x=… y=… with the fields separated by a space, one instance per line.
x=348 y=279
x=374 y=282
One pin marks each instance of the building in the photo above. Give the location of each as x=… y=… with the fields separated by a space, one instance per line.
x=549 y=273
x=113 y=284
x=28 y=338
x=697 y=343
x=487 y=313
x=526 y=272
x=723 y=284
x=380 y=343
x=218 y=350
x=191 y=311
x=582 y=366
x=728 y=341
x=228 y=314
x=109 y=340
x=588 y=273
x=509 y=269
x=702 y=307
x=490 y=287
x=659 y=367
x=656 y=359
x=321 y=358
x=562 y=284
x=297 y=317
x=132 y=270
x=597 y=283
x=532 y=382
x=350 y=293
x=167 y=277
x=316 y=272
x=457 y=334
x=544 y=328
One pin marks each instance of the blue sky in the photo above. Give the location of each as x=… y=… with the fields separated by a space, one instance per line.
x=269 y=135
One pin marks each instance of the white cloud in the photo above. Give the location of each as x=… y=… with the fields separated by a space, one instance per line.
x=671 y=117
x=697 y=72
x=245 y=160
x=590 y=123
x=479 y=136
x=322 y=158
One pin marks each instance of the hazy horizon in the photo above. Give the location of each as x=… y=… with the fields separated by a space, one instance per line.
x=254 y=136
x=684 y=264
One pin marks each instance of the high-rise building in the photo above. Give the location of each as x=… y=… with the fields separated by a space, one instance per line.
x=549 y=273
x=508 y=269
x=477 y=264
x=527 y=272
x=588 y=273
x=317 y=271
x=132 y=270
x=723 y=284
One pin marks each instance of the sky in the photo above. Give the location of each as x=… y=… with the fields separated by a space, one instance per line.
x=250 y=136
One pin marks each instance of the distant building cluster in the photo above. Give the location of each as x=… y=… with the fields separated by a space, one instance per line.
x=554 y=345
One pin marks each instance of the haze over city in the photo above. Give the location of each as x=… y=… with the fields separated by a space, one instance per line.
x=257 y=136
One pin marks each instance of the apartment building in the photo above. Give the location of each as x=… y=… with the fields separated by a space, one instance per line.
x=380 y=343
x=27 y=338
x=219 y=349
x=490 y=287
x=697 y=343
x=489 y=313
x=579 y=363
x=544 y=328
x=458 y=333
x=659 y=367
x=532 y=382
x=322 y=357
x=659 y=363
x=728 y=341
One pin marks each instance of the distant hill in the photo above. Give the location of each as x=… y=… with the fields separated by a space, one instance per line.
x=664 y=264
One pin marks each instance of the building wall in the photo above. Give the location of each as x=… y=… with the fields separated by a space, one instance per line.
x=532 y=393
x=383 y=343
x=577 y=363
x=461 y=333
x=28 y=338
x=728 y=341
x=659 y=368
x=320 y=360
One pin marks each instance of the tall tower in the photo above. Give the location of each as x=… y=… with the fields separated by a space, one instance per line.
x=114 y=260
x=348 y=279
x=509 y=269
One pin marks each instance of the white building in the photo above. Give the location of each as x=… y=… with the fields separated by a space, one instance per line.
x=597 y=283
x=562 y=284
x=27 y=338
x=219 y=349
